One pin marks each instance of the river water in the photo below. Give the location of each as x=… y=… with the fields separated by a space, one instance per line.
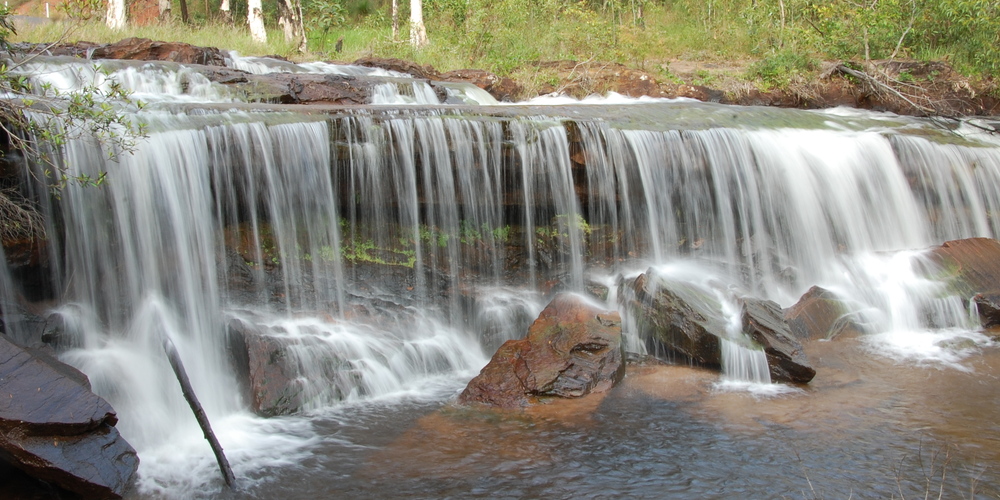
x=394 y=247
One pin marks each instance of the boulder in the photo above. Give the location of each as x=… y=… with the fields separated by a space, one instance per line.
x=821 y=314
x=971 y=269
x=144 y=49
x=675 y=319
x=681 y=320
x=55 y=429
x=281 y=374
x=764 y=322
x=573 y=348
x=500 y=87
x=269 y=383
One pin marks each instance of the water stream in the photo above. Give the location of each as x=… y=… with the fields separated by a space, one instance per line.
x=395 y=247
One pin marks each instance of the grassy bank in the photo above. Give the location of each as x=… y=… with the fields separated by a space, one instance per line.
x=776 y=41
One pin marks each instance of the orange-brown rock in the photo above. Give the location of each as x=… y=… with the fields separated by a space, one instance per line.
x=574 y=348
x=820 y=314
x=971 y=268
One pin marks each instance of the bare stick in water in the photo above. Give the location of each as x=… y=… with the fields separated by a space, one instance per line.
x=199 y=413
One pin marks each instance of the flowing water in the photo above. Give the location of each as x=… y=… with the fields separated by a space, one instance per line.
x=393 y=248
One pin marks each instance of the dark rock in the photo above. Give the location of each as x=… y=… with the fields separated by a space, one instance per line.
x=45 y=397
x=574 y=348
x=303 y=88
x=97 y=464
x=678 y=319
x=820 y=314
x=675 y=319
x=764 y=323
x=54 y=429
x=143 y=49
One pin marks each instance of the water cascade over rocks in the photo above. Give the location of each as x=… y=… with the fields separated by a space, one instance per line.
x=306 y=258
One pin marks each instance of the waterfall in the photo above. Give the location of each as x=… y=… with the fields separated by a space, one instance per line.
x=387 y=246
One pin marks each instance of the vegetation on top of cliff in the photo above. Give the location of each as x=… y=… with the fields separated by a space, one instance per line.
x=505 y=35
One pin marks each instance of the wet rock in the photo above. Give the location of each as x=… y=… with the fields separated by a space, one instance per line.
x=55 y=429
x=574 y=348
x=268 y=382
x=820 y=314
x=304 y=88
x=971 y=269
x=764 y=323
x=680 y=320
x=400 y=66
x=280 y=374
x=500 y=87
x=143 y=49
x=675 y=319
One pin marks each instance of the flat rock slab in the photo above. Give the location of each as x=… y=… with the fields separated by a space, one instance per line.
x=97 y=464
x=40 y=398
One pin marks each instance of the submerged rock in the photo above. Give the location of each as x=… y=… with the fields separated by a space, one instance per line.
x=681 y=320
x=574 y=348
x=55 y=429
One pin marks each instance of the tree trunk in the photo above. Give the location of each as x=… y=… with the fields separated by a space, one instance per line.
x=116 y=14
x=290 y=20
x=418 y=33
x=227 y=16
x=164 y=8
x=184 y=11
x=255 y=18
x=395 y=20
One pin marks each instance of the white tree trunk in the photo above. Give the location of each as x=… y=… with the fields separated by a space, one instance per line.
x=227 y=16
x=395 y=20
x=116 y=14
x=418 y=34
x=290 y=20
x=164 y=7
x=255 y=18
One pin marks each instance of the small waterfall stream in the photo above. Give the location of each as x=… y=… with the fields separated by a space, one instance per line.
x=393 y=246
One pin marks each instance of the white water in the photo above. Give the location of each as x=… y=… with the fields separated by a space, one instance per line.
x=766 y=211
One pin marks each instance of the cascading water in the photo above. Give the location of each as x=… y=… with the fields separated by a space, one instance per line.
x=387 y=246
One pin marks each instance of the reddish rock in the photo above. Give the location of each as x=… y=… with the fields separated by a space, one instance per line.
x=500 y=87
x=143 y=49
x=55 y=429
x=573 y=349
x=820 y=314
x=303 y=88
x=971 y=268
x=260 y=360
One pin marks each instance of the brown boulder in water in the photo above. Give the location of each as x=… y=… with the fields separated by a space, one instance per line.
x=574 y=348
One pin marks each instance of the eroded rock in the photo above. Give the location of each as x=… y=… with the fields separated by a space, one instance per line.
x=55 y=429
x=764 y=322
x=574 y=348
x=971 y=269
x=679 y=320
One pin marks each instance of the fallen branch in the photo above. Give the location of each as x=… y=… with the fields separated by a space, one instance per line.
x=199 y=413
x=865 y=77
